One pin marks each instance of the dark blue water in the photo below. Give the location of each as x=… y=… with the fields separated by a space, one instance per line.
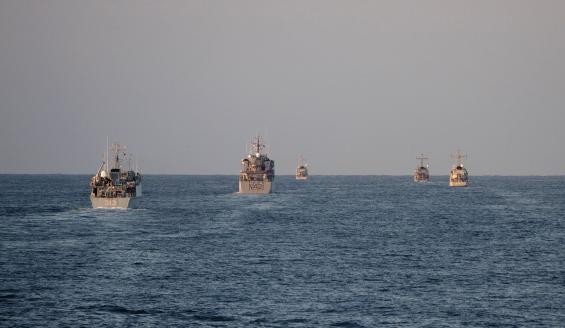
x=331 y=252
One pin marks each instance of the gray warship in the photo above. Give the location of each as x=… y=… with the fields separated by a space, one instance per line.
x=257 y=171
x=117 y=187
x=459 y=177
x=422 y=173
x=302 y=170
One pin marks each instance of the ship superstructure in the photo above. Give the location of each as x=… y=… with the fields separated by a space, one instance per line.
x=459 y=177
x=116 y=186
x=257 y=170
x=422 y=172
x=302 y=170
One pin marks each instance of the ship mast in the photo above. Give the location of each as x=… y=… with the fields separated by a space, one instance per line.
x=301 y=163
x=107 y=156
x=116 y=149
x=258 y=145
x=458 y=157
x=422 y=159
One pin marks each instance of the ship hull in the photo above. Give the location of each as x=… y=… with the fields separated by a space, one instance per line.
x=421 y=174
x=255 y=187
x=302 y=178
x=118 y=202
x=458 y=183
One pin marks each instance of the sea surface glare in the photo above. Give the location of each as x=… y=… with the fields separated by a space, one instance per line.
x=344 y=251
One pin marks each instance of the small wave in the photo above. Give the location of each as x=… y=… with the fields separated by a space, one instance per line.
x=25 y=211
x=212 y=317
x=114 y=309
x=295 y=320
x=7 y=297
x=347 y=324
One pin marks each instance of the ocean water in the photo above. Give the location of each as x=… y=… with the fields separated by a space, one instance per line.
x=344 y=251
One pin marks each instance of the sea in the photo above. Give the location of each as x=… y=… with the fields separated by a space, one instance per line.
x=333 y=251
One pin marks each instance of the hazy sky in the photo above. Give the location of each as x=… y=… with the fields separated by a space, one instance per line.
x=358 y=87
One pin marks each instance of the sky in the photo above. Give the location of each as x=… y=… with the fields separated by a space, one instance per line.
x=356 y=87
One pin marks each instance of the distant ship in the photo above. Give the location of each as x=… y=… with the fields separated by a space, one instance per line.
x=459 y=176
x=421 y=173
x=117 y=188
x=257 y=171
x=302 y=170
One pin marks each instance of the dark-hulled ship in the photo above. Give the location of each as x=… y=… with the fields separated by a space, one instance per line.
x=257 y=171
x=302 y=170
x=458 y=177
x=422 y=172
x=117 y=187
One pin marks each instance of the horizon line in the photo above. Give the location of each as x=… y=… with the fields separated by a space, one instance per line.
x=291 y=175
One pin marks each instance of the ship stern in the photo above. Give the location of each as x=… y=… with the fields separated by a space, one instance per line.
x=255 y=187
x=121 y=202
